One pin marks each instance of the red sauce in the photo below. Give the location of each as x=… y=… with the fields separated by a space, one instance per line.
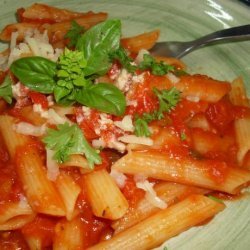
x=132 y=193
x=39 y=98
x=42 y=227
x=146 y=100
x=217 y=171
x=10 y=186
x=93 y=228
x=12 y=240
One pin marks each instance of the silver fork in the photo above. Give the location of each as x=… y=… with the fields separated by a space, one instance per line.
x=180 y=49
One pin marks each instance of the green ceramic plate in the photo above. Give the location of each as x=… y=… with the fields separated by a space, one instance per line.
x=184 y=20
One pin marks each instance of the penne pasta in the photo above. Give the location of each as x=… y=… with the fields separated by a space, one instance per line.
x=242 y=137
x=69 y=235
x=168 y=192
x=238 y=96
x=206 y=142
x=20 y=28
x=105 y=198
x=41 y=192
x=14 y=215
x=69 y=191
x=142 y=41
x=33 y=243
x=201 y=173
x=163 y=225
x=45 y=13
x=11 y=138
x=203 y=87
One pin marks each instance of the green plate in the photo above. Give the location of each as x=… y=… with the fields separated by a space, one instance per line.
x=184 y=20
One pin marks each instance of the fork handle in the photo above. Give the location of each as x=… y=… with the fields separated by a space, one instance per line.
x=232 y=34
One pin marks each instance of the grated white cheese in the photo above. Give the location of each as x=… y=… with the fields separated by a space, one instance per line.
x=19 y=90
x=123 y=80
x=51 y=115
x=50 y=100
x=38 y=109
x=193 y=98
x=133 y=103
x=136 y=140
x=151 y=195
x=55 y=118
x=35 y=43
x=119 y=178
x=86 y=111
x=125 y=124
x=29 y=129
x=52 y=166
x=113 y=143
x=172 y=78
x=98 y=143
x=138 y=78
x=103 y=121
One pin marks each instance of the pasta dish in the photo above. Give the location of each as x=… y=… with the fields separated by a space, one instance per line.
x=105 y=146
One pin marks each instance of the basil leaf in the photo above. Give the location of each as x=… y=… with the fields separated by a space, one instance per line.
x=97 y=43
x=104 y=97
x=37 y=73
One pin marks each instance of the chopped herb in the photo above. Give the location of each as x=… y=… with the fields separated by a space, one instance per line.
x=141 y=127
x=183 y=136
x=180 y=72
x=157 y=68
x=168 y=99
x=122 y=56
x=74 y=33
x=165 y=248
x=215 y=198
x=69 y=139
x=6 y=90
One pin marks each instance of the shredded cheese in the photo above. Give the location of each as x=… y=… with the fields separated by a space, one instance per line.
x=119 y=178
x=52 y=166
x=172 y=78
x=123 y=80
x=151 y=195
x=29 y=129
x=136 y=140
x=125 y=124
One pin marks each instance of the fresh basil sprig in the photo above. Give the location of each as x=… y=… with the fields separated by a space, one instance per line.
x=97 y=43
x=37 y=73
x=71 y=79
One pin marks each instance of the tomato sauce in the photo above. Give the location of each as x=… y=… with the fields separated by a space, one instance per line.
x=132 y=193
x=42 y=227
x=93 y=228
x=10 y=186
